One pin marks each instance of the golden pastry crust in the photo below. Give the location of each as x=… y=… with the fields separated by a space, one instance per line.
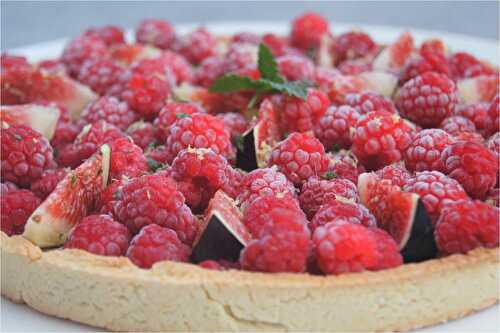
x=112 y=293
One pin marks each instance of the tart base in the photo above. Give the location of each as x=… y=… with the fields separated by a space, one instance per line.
x=112 y=293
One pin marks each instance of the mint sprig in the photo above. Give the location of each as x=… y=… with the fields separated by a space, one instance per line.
x=270 y=79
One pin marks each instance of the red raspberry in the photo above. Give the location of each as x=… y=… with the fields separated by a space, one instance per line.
x=157 y=157
x=111 y=194
x=457 y=124
x=396 y=173
x=263 y=182
x=344 y=164
x=9 y=62
x=480 y=115
x=427 y=99
x=283 y=245
x=464 y=65
x=154 y=244
x=493 y=197
x=307 y=30
x=146 y=94
x=436 y=190
x=65 y=133
x=205 y=169
x=48 y=182
x=324 y=77
x=110 y=34
x=99 y=234
x=170 y=66
x=469 y=136
x=158 y=33
x=26 y=154
x=354 y=67
x=300 y=157
x=380 y=138
x=196 y=46
x=127 y=159
x=236 y=123
x=7 y=186
x=316 y=191
x=80 y=49
x=301 y=116
x=199 y=131
x=154 y=199
x=53 y=66
x=465 y=225
x=338 y=208
x=246 y=37
x=142 y=133
x=343 y=247
x=494 y=112
x=428 y=61
x=368 y=101
x=353 y=45
x=473 y=165
x=433 y=45
x=170 y=113
x=100 y=74
x=493 y=143
x=295 y=68
x=277 y=44
x=257 y=213
x=424 y=152
x=111 y=110
x=16 y=207
x=208 y=71
x=239 y=56
x=333 y=128
x=219 y=265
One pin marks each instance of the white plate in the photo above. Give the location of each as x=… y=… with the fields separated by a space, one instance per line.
x=16 y=317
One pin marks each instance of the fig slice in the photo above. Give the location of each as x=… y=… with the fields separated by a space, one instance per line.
x=41 y=118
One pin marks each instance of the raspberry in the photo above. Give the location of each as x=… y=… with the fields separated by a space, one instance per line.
x=315 y=191
x=146 y=94
x=53 y=66
x=433 y=45
x=387 y=250
x=300 y=115
x=295 y=68
x=257 y=213
x=493 y=111
x=338 y=208
x=396 y=173
x=204 y=168
x=473 y=165
x=427 y=99
x=170 y=66
x=436 y=190
x=65 y=133
x=154 y=199
x=158 y=33
x=380 y=138
x=307 y=30
x=111 y=194
x=493 y=143
x=300 y=157
x=208 y=71
x=197 y=46
x=99 y=234
x=170 y=113
x=283 y=245
x=8 y=186
x=353 y=45
x=428 y=61
x=354 y=67
x=48 y=182
x=343 y=247
x=480 y=115
x=465 y=225
x=110 y=34
x=333 y=128
x=80 y=49
x=344 y=164
x=493 y=197
x=246 y=37
x=365 y=102
x=26 y=154
x=277 y=44
x=157 y=155
x=16 y=206
x=324 y=77
x=100 y=74
x=424 y=152
x=199 y=131
x=127 y=159
x=469 y=136
x=457 y=124
x=9 y=62
x=235 y=123
x=263 y=182
x=239 y=56
x=464 y=65
x=111 y=110
x=154 y=244
x=219 y=265
x=142 y=133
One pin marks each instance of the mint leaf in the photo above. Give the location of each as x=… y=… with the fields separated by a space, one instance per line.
x=231 y=83
x=293 y=88
x=268 y=67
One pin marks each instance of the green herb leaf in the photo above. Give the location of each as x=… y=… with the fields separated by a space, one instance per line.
x=231 y=83
x=182 y=115
x=268 y=67
x=293 y=88
x=329 y=175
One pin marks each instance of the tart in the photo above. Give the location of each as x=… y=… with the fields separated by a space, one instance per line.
x=314 y=182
